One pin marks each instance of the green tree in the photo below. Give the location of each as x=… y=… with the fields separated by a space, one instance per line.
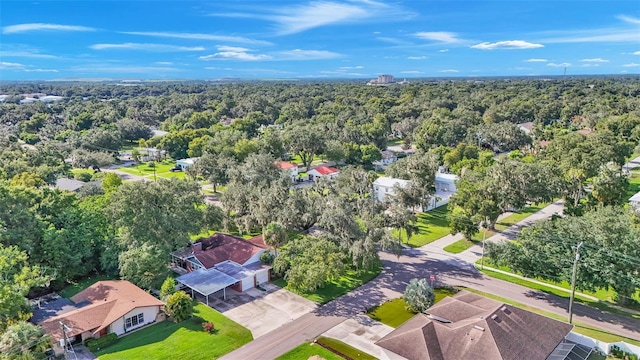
x=23 y=341
x=168 y=287
x=461 y=222
x=609 y=187
x=179 y=306
x=545 y=250
x=111 y=182
x=275 y=235
x=145 y=265
x=306 y=142
x=418 y=295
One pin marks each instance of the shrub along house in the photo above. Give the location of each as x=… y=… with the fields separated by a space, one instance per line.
x=106 y=307
x=222 y=261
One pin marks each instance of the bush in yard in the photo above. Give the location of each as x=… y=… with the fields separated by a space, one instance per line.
x=418 y=295
x=102 y=342
x=267 y=258
x=208 y=326
x=82 y=176
x=168 y=287
x=179 y=306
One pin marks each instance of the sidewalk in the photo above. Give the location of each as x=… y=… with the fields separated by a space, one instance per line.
x=361 y=332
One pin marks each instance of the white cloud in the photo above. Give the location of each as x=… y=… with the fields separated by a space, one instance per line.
x=21 y=28
x=507 y=45
x=300 y=54
x=441 y=36
x=26 y=54
x=596 y=60
x=443 y=50
x=298 y=18
x=417 y=57
x=411 y=72
x=145 y=47
x=590 y=65
x=394 y=41
x=636 y=53
x=377 y=33
x=10 y=65
x=536 y=60
x=631 y=65
x=41 y=70
x=611 y=35
x=108 y=68
x=629 y=19
x=192 y=36
x=351 y=67
x=235 y=53
x=163 y=63
x=564 y=64
x=449 y=71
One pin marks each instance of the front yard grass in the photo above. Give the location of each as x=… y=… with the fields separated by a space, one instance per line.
x=79 y=285
x=519 y=216
x=161 y=170
x=634 y=183
x=394 y=312
x=349 y=351
x=432 y=225
x=184 y=340
x=351 y=280
x=463 y=244
x=308 y=350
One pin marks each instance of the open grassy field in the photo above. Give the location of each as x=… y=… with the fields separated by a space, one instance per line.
x=183 y=340
x=351 y=280
x=147 y=169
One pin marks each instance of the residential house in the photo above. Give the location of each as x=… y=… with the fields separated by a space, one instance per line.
x=185 y=163
x=385 y=187
x=634 y=201
x=388 y=157
x=526 y=127
x=220 y=262
x=148 y=154
x=290 y=168
x=106 y=307
x=74 y=185
x=470 y=326
x=323 y=172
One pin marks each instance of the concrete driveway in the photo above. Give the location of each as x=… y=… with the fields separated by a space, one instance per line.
x=361 y=332
x=263 y=312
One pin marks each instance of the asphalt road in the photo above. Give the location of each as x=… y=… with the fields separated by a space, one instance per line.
x=396 y=273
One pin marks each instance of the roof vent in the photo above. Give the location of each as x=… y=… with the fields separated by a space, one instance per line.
x=439 y=319
x=496 y=318
x=478 y=327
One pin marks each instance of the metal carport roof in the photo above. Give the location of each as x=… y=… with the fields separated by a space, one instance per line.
x=206 y=281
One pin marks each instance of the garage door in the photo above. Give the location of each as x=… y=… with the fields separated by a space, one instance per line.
x=262 y=276
x=247 y=283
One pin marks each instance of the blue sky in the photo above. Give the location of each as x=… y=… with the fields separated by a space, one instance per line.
x=312 y=39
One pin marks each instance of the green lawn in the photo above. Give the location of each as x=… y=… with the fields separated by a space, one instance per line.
x=519 y=216
x=184 y=340
x=351 y=280
x=432 y=225
x=344 y=349
x=634 y=183
x=578 y=327
x=463 y=244
x=394 y=312
x=307 y=350
x=79 y=285
x=161 y=170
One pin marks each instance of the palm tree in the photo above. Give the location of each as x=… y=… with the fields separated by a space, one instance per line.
x=275 y=235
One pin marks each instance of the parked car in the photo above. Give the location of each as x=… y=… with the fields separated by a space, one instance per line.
x=175 y=168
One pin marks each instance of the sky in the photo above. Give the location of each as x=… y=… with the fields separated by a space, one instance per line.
x=267 y=39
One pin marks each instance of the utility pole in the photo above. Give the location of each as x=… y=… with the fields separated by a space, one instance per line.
x=484 y=235
x=64 y=339
x=573 y=281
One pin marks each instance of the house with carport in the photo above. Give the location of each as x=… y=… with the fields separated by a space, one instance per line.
x=290 y=168
x=106 y=307
x=213 y=265
x=323 y=171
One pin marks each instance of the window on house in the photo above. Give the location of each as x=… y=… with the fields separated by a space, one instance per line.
x=135 y=320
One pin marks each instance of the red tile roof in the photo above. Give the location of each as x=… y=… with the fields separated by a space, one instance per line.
x=283 y=165
x=221 y=247
x=109 y=301
x=325 y=170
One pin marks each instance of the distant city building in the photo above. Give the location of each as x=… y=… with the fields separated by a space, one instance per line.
x=382 y=80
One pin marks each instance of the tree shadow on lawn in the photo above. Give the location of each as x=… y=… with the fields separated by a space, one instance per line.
x=626 y=322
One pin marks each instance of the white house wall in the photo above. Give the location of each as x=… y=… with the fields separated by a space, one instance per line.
x=390 y=355
x=262 y=276
x=255 y=258
x=149 y=312
x=247 y=283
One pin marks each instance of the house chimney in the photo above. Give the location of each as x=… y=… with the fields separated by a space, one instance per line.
x=196 y=247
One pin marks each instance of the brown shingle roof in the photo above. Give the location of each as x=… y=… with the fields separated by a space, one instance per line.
x=477 y=328
x=109 y=300
x=221 y=247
